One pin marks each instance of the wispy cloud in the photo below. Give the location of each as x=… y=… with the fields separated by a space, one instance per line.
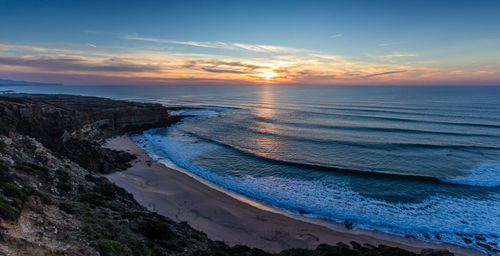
x=10 y=47
x=328 y=57
x=398 y=55
x=335 y=35
x=383 y=73
x=221 y=45
x=388 y=44
x=267 y=48
x=77 y=64
x=36 y=50
x=217 y=66
x=91 y=45
x=394 y=57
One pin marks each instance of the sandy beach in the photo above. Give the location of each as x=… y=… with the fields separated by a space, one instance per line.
x=234 y=219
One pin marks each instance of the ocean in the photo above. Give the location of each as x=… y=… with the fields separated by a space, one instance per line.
x=413 y=161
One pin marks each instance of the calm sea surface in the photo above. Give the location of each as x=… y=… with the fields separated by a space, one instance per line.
x=418 y=161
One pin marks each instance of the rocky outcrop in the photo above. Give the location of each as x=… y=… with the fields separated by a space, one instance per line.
x=73 y=125
x=50 y=116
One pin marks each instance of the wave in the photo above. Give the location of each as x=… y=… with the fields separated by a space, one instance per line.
x=331 y=198
x=199 y=111
x=379 y=129
x=480 y=176
x=309 y=166
x=384 y=110
x=194 y=113
x=438 y=108
x=400 y=119
x=219 y=108
x=375 y=145
x=483 y=175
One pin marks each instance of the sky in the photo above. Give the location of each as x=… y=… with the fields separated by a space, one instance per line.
x=251 y=42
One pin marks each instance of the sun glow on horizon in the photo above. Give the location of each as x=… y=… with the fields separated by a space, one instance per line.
x=266 y=74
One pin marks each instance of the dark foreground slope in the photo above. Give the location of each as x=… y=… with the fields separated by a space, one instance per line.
x=52 y=201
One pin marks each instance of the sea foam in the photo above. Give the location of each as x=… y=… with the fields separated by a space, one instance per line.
x=483 y=175
x=332 y=199
x=468 y=222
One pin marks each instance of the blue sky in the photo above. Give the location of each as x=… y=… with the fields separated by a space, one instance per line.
x=441 y=42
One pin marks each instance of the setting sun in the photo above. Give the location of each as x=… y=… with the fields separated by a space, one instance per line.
x=266 y=74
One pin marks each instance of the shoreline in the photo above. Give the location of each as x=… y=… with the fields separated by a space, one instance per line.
x=232 y=218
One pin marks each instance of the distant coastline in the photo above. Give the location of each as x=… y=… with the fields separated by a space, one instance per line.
x=6 y=82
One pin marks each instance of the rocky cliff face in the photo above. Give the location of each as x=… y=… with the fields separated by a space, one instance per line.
x=83 y=115
x=51 y=203
x=72 y=125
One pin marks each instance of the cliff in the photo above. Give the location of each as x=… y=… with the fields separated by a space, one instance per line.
x=53 y=203
x=73 y=125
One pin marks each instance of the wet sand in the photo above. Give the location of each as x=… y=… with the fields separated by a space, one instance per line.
x=228 y=217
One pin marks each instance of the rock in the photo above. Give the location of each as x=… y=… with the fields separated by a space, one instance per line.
x=369 y=246
x=66 y=136
x=347 y=224
x=355 y=245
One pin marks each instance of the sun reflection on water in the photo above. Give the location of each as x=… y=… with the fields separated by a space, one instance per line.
x=266 y=145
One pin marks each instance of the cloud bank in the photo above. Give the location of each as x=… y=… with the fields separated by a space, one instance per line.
x=282 y=65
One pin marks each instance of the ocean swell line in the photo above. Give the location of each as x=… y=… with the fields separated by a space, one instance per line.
x=386 y=175
x=377 y=129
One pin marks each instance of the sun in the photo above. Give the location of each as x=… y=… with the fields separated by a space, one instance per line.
x=266 y=74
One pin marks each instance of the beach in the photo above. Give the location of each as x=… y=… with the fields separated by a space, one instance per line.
x=234 y=219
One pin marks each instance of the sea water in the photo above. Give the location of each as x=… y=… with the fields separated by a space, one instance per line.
x=412 y=161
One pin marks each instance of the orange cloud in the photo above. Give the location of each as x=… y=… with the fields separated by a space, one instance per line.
x=97 y=65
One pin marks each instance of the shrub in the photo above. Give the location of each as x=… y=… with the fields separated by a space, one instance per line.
x=63 y=185
x=62 y=173
x=67 y=208
x=29 y=167
x=157 y=252
x=105 y=189
x=8 y=212
x=92 y=178
x=113 y=248
x=93 y=199
x=156 y=231
x=175 y=245
x=12 y=190
x=3 y=169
